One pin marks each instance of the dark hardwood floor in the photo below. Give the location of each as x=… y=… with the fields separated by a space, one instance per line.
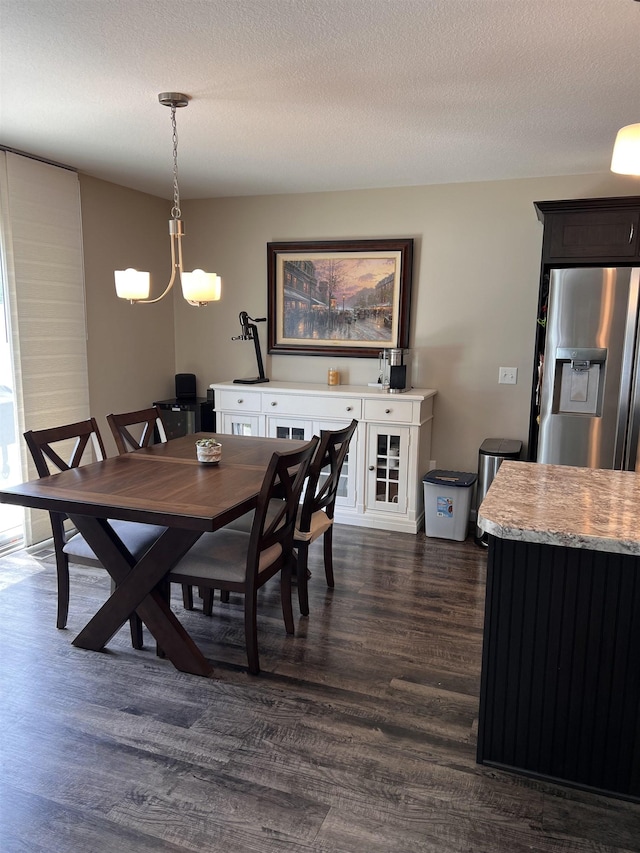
x=359 y=736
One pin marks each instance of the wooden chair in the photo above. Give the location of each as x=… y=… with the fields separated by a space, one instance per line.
x=45 y=447
x=145 y=421
x=315 y=514
x=235 y=561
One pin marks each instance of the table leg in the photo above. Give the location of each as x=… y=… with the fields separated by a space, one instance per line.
x=136 y=591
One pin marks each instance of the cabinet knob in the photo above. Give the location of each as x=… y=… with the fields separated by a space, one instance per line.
x=273 y=403
x=372 y=467
x=240 y=401
x=349 y=408
x=387 y=411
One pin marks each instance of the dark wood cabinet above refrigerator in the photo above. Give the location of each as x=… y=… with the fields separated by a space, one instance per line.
x=592 y=232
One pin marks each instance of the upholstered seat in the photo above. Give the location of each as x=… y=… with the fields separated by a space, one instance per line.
x=137 y=537
x=222 y=556
x=319 y=523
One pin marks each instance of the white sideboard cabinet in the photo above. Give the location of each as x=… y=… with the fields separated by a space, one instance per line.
x=381 y=484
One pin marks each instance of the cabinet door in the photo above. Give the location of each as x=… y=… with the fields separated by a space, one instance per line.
x=346 y=496
x=595 y=234
x=293 y=428
x=237 y=423
x=387 y=468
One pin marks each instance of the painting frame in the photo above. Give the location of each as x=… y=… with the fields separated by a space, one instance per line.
x=285 y=305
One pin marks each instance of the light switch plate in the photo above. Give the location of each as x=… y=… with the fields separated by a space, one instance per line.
x=508 y=376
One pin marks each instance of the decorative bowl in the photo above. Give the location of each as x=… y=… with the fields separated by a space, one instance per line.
x=208 y=450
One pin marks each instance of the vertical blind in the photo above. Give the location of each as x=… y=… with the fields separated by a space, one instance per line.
x=44 y=274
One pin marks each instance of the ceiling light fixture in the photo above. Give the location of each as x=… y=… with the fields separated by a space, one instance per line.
x=198 y=287
x=625 y=159
x=626 y=151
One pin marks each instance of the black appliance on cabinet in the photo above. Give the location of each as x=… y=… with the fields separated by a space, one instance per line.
x=186 y=413
x=186 y=386
x=182 y=416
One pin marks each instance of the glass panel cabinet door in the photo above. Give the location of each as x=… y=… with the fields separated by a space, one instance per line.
x=291 y=428
x=240 y=424
x=387 y=462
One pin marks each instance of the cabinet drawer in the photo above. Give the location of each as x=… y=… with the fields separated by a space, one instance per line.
x=343 y=408
x=390 y=409
x=239 y=401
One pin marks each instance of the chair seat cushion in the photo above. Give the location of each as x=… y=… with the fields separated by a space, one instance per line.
x=220 y=556
x=137 y=537
x=320 y=523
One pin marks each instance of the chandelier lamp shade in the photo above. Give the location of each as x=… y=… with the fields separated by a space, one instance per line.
x=198 y=287
x=626 y=151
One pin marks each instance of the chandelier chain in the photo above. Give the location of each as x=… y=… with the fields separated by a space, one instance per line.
x=175 y=210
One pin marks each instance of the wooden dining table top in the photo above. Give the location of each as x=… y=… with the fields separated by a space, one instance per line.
x=163 y=484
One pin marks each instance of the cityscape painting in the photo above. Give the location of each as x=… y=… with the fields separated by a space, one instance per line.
x=343 y=297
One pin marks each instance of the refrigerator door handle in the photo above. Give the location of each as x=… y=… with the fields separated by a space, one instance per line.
x=633 y=422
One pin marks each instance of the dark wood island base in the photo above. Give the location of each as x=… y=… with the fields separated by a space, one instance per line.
x=560 y=689
x=560 y=685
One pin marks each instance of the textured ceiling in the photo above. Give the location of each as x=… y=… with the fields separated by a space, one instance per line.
x=308 y=95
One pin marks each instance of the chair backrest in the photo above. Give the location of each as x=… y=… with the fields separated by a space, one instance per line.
x=72 y=440
x=274 y=521
x=40 y=443
x=144 y=421
x=322 y=487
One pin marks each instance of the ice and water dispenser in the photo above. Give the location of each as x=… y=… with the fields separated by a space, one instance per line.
x=578 y=420
x=578 y=381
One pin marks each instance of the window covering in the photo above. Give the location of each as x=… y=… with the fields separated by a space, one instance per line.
x=44 y=275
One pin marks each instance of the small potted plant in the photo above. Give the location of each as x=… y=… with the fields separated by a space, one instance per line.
x=208 y=450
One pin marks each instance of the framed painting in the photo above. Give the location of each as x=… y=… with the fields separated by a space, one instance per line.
x=343 y=298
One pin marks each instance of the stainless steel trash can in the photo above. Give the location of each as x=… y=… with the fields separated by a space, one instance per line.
x=492 y=453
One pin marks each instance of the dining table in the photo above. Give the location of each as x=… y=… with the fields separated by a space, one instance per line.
x=166 y=485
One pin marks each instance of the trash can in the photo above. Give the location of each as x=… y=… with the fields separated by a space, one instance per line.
x=447 y=501
x=493 y=451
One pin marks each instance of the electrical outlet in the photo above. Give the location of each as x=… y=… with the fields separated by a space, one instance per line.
x=508 y=376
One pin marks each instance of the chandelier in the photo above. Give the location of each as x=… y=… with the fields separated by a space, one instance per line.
x=198 y=287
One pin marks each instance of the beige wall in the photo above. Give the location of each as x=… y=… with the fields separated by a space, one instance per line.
x=131 y=348
x=475 y=286
x=474 y=302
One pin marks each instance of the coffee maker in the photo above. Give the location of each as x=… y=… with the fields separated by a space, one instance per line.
x=395 y=370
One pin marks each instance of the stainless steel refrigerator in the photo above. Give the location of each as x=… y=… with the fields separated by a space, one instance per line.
x=589 y=385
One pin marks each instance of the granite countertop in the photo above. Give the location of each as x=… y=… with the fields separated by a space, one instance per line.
x=563 y=505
